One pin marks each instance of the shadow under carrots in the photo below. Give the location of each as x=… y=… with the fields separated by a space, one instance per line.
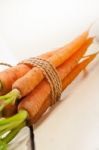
x=47 y=114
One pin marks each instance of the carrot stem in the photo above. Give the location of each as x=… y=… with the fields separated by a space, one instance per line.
x=10 y=136
x=10 y=127
x=3 y=145
x=14 y=132
x=9 y=98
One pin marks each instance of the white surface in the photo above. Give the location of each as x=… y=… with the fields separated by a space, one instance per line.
x=74 y=124
x=22 y=141
x=6 y=55
x=31 y=27
x=34 y=26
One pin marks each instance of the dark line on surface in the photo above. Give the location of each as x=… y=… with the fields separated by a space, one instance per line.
x=32 y=137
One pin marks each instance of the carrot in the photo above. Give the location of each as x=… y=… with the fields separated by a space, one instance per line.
x=68 y=50
x=39 y=99
x=75 y=72
x=10 y=75
x=35 y=75
x=70 y=47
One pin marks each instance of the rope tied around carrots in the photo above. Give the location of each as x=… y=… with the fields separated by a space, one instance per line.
x=51 y=75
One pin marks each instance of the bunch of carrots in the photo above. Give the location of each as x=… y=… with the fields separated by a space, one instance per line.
x=27 y=91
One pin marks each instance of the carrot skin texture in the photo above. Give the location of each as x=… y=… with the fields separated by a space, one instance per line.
x=10 y=75
x=69 y=50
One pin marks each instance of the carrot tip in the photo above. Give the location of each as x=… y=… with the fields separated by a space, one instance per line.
x=91 y=55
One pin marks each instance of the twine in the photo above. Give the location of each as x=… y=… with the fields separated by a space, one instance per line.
x=5 y=64
x=51 y=75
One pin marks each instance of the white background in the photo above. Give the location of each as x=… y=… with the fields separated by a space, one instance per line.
x=30 y=27
x=39 y=25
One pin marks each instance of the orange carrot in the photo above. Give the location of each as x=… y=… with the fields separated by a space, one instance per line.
x=68 y=50
x=30 y=80
x=10 y=75
x=38 y=100
x=75 y=72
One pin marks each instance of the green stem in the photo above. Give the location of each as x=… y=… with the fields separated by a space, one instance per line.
x=13 y=133
x=14 y=91
x=10 y=136
x=20 y=115
x=3 y=132
x=12 y=122
x=9 y=98
x=3 y=145
x=10 y=127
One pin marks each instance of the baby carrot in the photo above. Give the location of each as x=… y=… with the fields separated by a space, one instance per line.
x=68 y=50
x=8 y=76
x=75 y=72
